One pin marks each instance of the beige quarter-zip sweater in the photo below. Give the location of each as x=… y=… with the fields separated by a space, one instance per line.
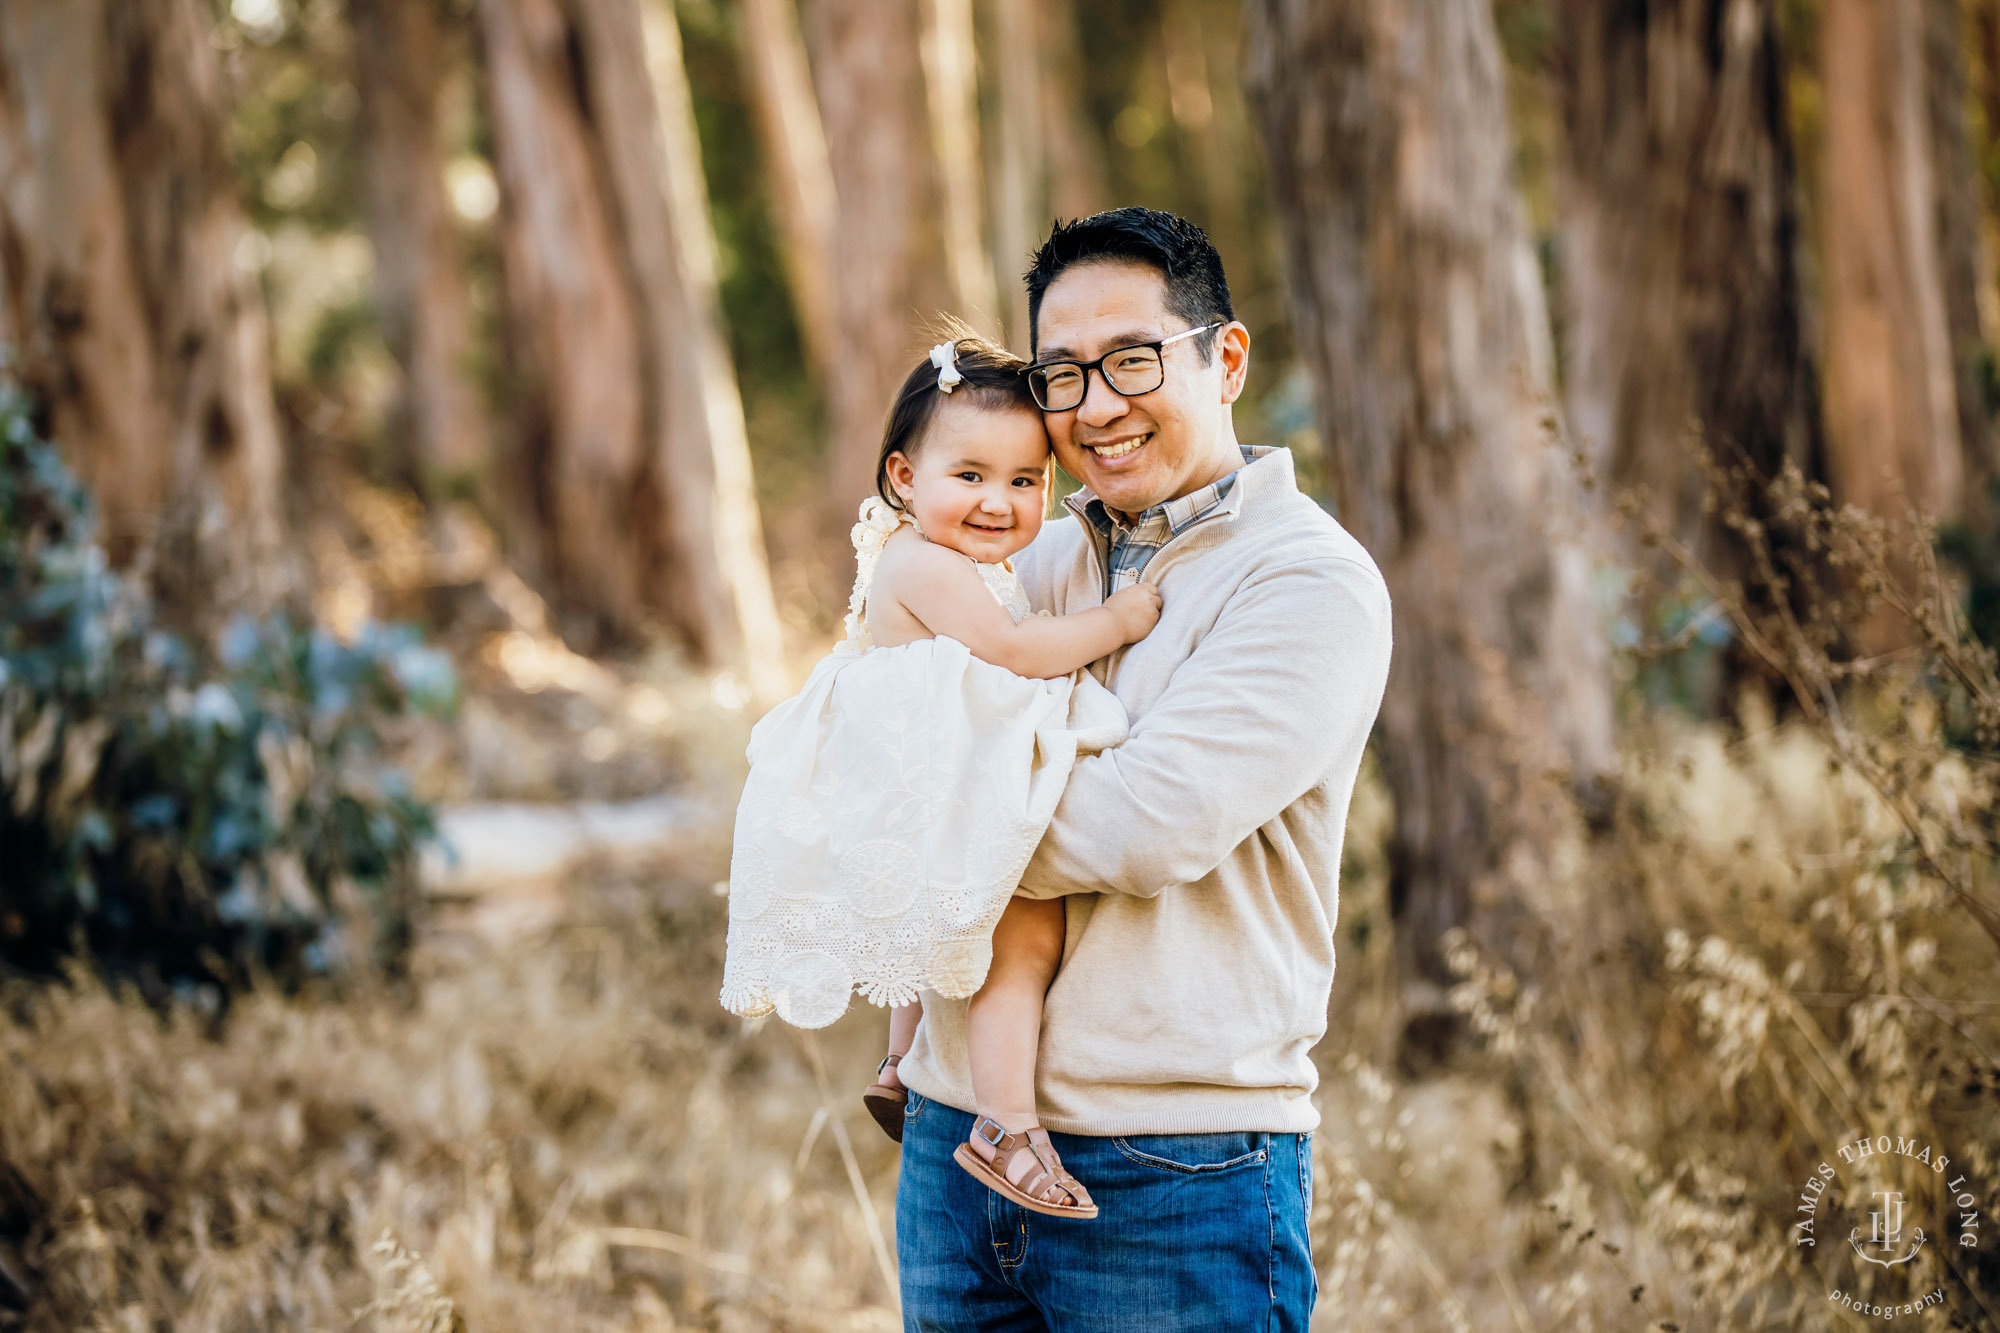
x=1201 y=858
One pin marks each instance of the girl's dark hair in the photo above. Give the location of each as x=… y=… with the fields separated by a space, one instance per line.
x=990 y=377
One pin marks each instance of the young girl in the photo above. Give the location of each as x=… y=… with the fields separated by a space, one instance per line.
x=894 y=801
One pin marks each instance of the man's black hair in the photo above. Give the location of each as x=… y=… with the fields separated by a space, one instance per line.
x=1178 y=250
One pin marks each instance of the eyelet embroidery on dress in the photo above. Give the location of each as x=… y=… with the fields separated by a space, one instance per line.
x=749 y=885
x=879 y=877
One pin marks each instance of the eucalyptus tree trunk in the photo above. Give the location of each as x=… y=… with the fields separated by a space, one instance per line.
x=1079 y=179
x=627 y=480
x=1679 y=241
x=889 y=277
x=1418 y=305
x=1020 y=186
x=737 y=528
x=1049 y=160
x=951 y=88
x=438 y=422
x=1963 y=254
x=796 y=164
x=1196 y=45
x=1905 y=424
x=1892 y=394
x=137 y=329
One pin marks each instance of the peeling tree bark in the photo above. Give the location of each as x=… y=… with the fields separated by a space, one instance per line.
x=620 y=448
x=1020 y=191
x=143 y=338
x=951 y=88
x=1419 y=308
x=1679 y=253
x=1078 y=177
x=795 y=159
x=1891 y=396
x=577 y=483
x=437 y=423
x=1193 y=51
x=737 y=527
x=1961 y=248
x=889 y=272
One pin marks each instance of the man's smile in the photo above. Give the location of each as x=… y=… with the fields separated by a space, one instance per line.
x=1107 y=451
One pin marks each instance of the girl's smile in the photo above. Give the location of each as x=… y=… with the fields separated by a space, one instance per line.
x=979 y=480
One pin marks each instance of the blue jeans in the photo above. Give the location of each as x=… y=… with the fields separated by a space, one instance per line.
x=1196 y=1231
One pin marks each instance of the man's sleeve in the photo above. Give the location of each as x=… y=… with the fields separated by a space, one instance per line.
x=1279 y=693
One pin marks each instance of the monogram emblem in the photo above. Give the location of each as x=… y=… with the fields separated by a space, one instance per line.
x=1885 y=1233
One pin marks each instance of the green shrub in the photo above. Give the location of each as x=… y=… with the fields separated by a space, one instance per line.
x=188 y=814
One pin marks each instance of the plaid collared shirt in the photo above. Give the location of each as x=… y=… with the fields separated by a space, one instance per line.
x=1131 y=545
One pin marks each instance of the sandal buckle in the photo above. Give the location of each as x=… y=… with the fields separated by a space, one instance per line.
x=998 y=1134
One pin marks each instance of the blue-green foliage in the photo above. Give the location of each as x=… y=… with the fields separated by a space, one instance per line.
x=188 y=816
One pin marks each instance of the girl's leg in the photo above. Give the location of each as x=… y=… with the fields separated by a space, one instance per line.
x=902 y=1031
x=1008 y=1151
x=886 y=1097
x=1003 y=1024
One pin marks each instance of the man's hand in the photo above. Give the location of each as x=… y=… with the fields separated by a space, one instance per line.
x=1137 y=609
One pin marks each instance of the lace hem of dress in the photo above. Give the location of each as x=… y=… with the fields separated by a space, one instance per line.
x=807 y=974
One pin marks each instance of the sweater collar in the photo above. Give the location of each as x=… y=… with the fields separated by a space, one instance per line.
x=1263 y=465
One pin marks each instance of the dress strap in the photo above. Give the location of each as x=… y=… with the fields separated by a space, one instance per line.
x=877 y=523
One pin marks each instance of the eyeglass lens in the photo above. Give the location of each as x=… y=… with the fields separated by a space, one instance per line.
x=1130 y=371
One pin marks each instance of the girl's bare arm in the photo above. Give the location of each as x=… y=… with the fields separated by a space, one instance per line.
x=942 y=590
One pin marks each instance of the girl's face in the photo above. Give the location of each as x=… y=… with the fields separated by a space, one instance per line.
x=978 y=483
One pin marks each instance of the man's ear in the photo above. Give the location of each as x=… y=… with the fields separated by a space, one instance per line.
x=1232 y=344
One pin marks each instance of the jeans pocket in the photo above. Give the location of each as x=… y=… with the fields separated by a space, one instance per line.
x=1195 y=1154
x=913 y=1105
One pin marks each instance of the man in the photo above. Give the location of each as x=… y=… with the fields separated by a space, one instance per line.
x=1199 y=858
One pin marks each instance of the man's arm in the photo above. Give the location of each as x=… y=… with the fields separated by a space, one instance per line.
x=1286 y=684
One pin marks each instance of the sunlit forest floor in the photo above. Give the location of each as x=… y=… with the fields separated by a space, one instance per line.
x=550 y=1123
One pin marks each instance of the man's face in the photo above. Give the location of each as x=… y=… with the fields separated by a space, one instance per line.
x=1136 y=452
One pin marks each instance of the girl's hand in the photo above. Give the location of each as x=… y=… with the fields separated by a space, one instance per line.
x=1137 y=609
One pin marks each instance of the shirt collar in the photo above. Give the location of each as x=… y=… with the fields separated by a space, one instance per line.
x=1177 y=514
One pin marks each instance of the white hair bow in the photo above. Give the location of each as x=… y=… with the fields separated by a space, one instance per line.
x=945 y=357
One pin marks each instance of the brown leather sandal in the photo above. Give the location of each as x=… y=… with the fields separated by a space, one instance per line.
x=886 y=1101
x=1049 y=1190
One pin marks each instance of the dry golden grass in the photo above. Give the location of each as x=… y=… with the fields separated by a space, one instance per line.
x=566 y=1132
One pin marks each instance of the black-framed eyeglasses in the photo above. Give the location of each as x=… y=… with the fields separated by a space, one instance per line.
x=1059 y=386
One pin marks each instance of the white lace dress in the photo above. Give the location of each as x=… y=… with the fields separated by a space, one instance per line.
x=891 y=807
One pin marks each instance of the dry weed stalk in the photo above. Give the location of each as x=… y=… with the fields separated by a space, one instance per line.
x=1798 y=645
x=1816 y=980
x=409 y=1300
